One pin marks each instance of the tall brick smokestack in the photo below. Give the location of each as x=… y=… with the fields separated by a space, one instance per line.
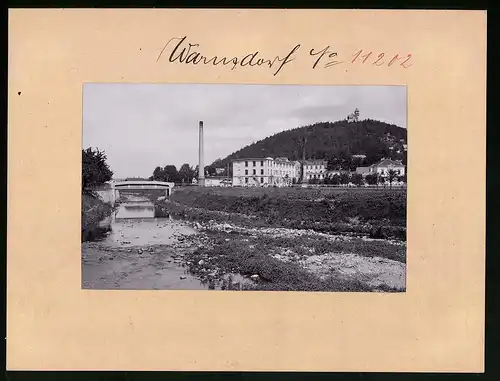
x=201 y=163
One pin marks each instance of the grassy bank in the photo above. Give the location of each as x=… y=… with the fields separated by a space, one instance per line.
x=376 y=213
x=94 y=210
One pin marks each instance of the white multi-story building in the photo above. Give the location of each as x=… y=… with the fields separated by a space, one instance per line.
x=314 y=169
x=265 y=172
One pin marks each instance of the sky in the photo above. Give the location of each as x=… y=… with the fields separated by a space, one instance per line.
x=143 y=126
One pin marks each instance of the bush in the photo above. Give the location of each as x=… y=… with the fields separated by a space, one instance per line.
x=93 y=211
x=95 y=170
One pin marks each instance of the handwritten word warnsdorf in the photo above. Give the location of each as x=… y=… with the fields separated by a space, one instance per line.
x=187 y=53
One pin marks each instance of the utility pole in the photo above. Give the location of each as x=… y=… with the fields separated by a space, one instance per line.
x=304 y=143
x=201 y=165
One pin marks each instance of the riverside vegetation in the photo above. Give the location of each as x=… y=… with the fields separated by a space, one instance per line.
x=294 y=238
x=95 y=172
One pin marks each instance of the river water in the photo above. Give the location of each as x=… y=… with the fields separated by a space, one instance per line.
x=137 y=247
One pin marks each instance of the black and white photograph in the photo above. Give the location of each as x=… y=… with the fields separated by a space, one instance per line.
x=243 y=187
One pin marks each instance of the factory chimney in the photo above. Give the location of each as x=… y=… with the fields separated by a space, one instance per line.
x=201 y=164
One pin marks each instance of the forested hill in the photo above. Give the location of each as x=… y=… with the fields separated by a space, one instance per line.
x=335 y=142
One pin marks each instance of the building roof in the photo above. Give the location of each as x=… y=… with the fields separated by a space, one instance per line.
x=387 y=162
x=252 y=158
x=143 y=182
x=284 y=159
x=362 y=169
x=315 y=161
x=330 y=171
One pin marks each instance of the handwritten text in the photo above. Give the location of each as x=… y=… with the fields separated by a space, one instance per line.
x=184 y=52
x=187 y=53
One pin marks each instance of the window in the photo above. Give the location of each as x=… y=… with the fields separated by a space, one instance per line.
x=246 y=180
x=261 y=171
x=262 y=163
x=246 y=171
x=246 y=163
x=254 y=163
x=261 y=180
x=254 y=171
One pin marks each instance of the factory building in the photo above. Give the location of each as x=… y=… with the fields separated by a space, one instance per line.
x=265 y=171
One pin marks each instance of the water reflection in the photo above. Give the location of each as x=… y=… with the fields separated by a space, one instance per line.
x=140 y=211
x=137 y=223
x=135 y=210
x=143 y=239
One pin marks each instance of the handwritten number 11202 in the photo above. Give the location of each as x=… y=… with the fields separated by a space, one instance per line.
x=379 y=59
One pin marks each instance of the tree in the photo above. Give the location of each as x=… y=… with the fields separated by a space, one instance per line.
x=158 y=174
x=344 y=178
x=344 y=159
x=381 y=178
x=209 y=170
x=170 y=173
x=335 y=179
x=333 y=163
x=357 y=179
x=356 y=162
x=391 y=176
x=95 y=170
x=371 y=179
x=186 y=173
x=366 y=137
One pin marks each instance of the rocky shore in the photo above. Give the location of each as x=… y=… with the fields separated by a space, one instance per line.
x=228 y=256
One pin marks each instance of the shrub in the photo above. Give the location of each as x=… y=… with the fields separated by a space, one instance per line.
x=95 y=170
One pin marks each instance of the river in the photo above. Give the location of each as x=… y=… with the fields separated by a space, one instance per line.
x=137 y=247
x=140 y=247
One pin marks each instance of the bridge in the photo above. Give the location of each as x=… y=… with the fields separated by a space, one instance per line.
x=116 y=187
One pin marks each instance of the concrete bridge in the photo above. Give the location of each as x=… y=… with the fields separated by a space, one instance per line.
x=116 y=187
